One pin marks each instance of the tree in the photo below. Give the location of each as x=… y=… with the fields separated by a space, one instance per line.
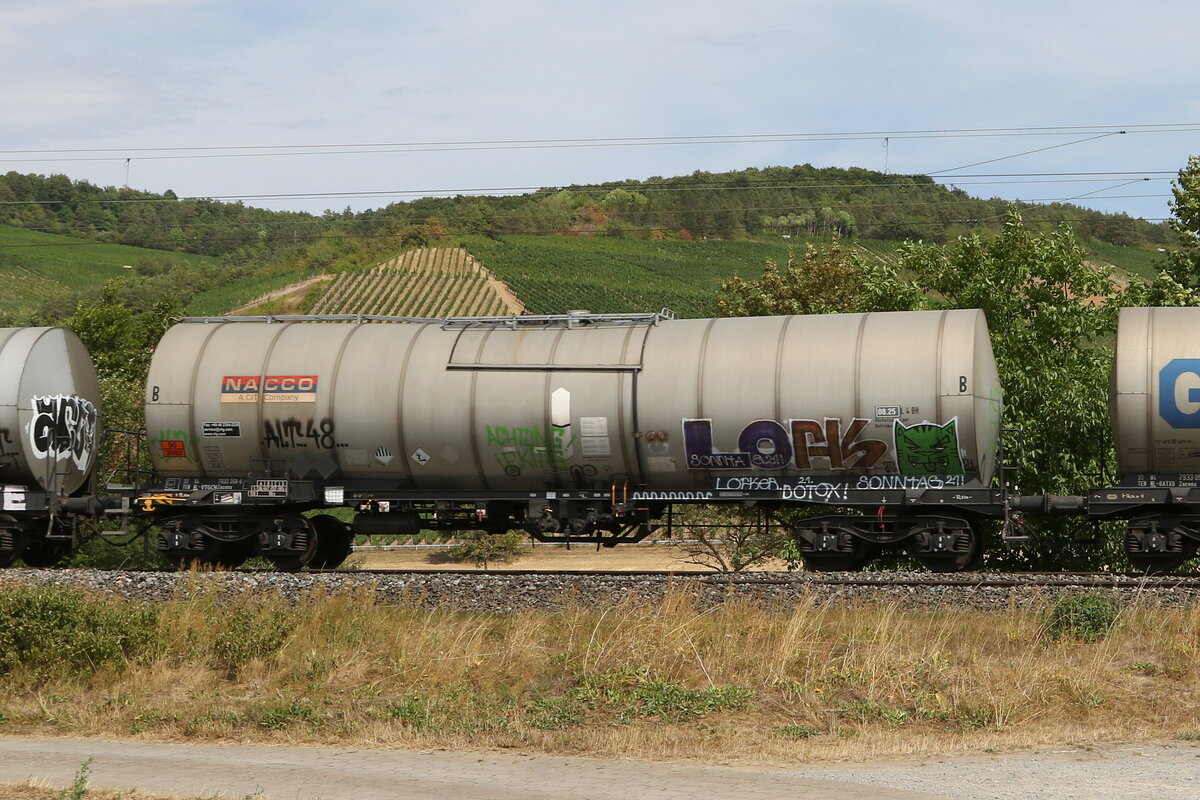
x=826 y=282
x=730 y=539
x=482 y=548
x=121 y=343
x=1183 y=265
x=1050 y=315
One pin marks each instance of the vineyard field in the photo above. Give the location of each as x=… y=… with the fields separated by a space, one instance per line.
x=425 y=282
x=553 y=274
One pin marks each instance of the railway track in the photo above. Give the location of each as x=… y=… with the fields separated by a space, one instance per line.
x=514 y=590
x=915 y=579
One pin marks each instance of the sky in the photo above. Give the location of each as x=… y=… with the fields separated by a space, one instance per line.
x=356 y=104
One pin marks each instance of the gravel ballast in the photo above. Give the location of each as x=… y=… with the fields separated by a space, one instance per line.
x=515 y=591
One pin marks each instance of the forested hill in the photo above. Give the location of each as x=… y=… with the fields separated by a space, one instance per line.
x=796 y=201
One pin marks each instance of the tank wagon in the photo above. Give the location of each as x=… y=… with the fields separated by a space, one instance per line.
x=49 y=417
x=575 y=427
x=1154 y=399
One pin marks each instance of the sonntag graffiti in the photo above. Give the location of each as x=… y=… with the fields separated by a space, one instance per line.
x=828 y=444
x=63 y=427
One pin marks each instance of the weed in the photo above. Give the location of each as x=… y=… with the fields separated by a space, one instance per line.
x=797 y=732
x=1086 y=617
x=285 y=713
x=555 y=713
x=416 y=712
x=78 y=788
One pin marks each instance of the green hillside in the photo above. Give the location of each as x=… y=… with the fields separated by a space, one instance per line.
x=552 y=274
x=36 y=267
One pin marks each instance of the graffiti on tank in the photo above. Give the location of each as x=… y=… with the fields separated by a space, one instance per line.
x=768 y=444
x=289 y=433
x=63 y=427
x=825 y=489
x=827 y=441
x=6 y=442
x=928 y=448
x=522 y=448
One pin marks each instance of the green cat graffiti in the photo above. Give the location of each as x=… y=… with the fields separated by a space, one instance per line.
x=928 y=448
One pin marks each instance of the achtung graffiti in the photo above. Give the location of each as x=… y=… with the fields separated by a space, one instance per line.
x=63 y=427
x=528 y=447
x=828 y=444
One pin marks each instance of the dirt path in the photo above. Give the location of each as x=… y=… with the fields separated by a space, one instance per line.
x=292 y=289
x=307 y=773
x=580 y=557
x=1162 y=771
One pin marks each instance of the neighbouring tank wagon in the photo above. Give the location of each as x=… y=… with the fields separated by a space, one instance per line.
x=575 y=427
x=49 y=418
x=1155 y=404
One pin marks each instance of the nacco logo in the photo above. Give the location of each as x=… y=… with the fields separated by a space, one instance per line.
x=272 y=388
x=1179 y=393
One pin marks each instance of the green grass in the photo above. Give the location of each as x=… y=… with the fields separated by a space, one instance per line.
x=35 y=266
x=222 y=299
x=1141 y=261
x=552 y=274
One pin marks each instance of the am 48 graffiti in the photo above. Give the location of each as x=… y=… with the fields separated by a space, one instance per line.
x=63 y=427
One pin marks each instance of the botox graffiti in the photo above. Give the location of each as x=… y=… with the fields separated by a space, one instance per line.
x=63 y=427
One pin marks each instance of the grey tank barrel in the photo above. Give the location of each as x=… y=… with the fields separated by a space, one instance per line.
x=577 y=400
x=49 y=409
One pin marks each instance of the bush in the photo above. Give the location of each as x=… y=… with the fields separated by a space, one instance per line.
x=57 y=632
x=482 y=549
x=1086 y=617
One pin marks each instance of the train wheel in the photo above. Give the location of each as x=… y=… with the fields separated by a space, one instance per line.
x=335 y=542
x=215 y=555
x=41 y=553
x=295 y=560
x=951 y=547
x=856 y=558
x=228 y=555
x=1158 y=564
x=14 y=538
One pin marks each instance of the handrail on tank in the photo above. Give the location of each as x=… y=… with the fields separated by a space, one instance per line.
x=570 y=319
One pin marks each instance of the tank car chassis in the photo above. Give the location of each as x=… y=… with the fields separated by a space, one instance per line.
x=223 y=521
x=1163 y=519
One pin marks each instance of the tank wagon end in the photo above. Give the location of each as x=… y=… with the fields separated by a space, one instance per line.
x=1154 y=400
x=49 y=425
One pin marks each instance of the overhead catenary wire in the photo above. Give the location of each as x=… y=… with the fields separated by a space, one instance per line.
x=364 y=148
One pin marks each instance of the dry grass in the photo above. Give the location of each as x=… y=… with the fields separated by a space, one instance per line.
x=33 y=791
x=733 y=683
